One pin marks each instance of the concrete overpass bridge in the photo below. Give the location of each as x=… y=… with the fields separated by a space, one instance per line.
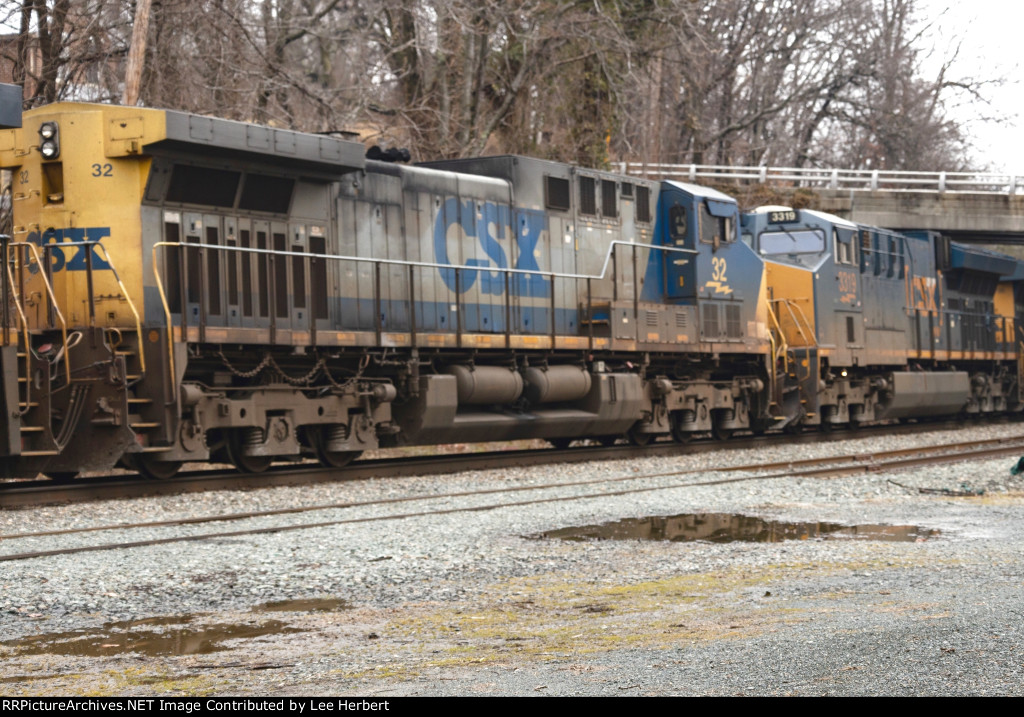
x=971 y=207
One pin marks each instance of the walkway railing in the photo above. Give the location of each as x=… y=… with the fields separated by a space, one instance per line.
x=856 y=180
x=386 y=294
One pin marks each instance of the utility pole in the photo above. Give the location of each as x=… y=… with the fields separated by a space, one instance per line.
x=137 y=53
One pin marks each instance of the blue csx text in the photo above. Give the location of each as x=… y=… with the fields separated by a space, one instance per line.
x=63 y=261
x=489 y=224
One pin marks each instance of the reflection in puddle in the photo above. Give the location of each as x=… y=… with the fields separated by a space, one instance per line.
x=730 y=527
x=313 y=605
x=155 y=636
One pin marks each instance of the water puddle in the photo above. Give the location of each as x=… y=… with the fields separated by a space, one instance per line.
x=25 y=678
x=313 y=605
x=151 y=637
x=734 y=527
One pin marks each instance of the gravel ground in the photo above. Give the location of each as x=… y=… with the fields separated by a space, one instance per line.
x=473 y=603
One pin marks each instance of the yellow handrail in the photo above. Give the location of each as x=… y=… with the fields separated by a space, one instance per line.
x=167 y=308
x=800 y=322
x=814 y=340
x=53 y=304
x=773 y=379
x=24 y=327
x=131 y=305
x=783 y=345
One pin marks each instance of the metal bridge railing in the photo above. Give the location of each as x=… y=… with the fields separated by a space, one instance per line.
x=856 y=180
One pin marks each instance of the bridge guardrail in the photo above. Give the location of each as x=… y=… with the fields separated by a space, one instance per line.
x=857 y=180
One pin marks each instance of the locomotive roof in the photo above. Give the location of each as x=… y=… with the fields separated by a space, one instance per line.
x=504 y=164
x=825 y=216
x=1017 y=274
x=278 y=145
x=977 y=259
x=131 y=130
x=703 y=192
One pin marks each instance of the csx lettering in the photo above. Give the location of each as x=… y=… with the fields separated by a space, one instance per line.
x=923 y=293
x=59 y=259
x=489 y=223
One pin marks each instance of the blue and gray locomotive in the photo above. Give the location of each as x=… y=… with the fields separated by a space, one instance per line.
x=187 y=289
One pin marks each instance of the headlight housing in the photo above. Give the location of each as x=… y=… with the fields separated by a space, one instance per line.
x=49 y=140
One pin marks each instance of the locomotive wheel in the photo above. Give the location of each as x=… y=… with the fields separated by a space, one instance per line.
x=639 y=439
x=721 y=434
x=560 y=443
x=152 y=469
x=678 y=434
x=246 y=464
x=330 y=459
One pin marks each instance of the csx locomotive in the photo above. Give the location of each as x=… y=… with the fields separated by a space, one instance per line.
x=181 y=288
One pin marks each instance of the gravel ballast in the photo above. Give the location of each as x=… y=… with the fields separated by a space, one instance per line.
x=474 y=603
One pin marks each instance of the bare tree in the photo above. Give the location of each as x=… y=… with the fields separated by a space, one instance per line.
x=798 y=82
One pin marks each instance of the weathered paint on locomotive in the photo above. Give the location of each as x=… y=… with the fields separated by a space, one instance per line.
x=89 y=193
x=1005 y=310
x=592 y=231
x=723 y=278
x=296 y=299
x=878 y=302
x=951 y=300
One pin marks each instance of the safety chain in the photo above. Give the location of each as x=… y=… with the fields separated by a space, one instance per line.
x=304 y=381
x=244 y=374
x=321 y=363
x=363 y=363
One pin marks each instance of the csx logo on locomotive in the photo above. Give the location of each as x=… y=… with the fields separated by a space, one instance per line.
x=70 y=261
x=489 y=223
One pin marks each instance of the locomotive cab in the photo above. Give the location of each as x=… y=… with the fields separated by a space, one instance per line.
x=815 y=306
x=722 y=278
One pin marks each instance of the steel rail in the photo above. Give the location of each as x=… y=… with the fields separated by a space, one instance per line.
x=932 y=454
x=21 y=494
x=862 y=461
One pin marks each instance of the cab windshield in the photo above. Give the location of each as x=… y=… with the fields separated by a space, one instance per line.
x=797 y=241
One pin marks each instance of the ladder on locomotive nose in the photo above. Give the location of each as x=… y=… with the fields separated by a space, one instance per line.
x=37 y=367
x=41 y=370
x=784 y=354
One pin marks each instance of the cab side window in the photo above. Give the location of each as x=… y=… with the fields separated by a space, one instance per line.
x=844 y=248
x=714 y=228
x=677 y=224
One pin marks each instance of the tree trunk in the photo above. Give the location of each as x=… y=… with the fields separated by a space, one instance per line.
x=137 y=53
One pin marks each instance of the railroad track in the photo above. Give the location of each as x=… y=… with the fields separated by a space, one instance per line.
x=14 y=494
x=831 y=466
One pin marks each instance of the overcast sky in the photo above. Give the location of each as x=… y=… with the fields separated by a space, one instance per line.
x=989 y=32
